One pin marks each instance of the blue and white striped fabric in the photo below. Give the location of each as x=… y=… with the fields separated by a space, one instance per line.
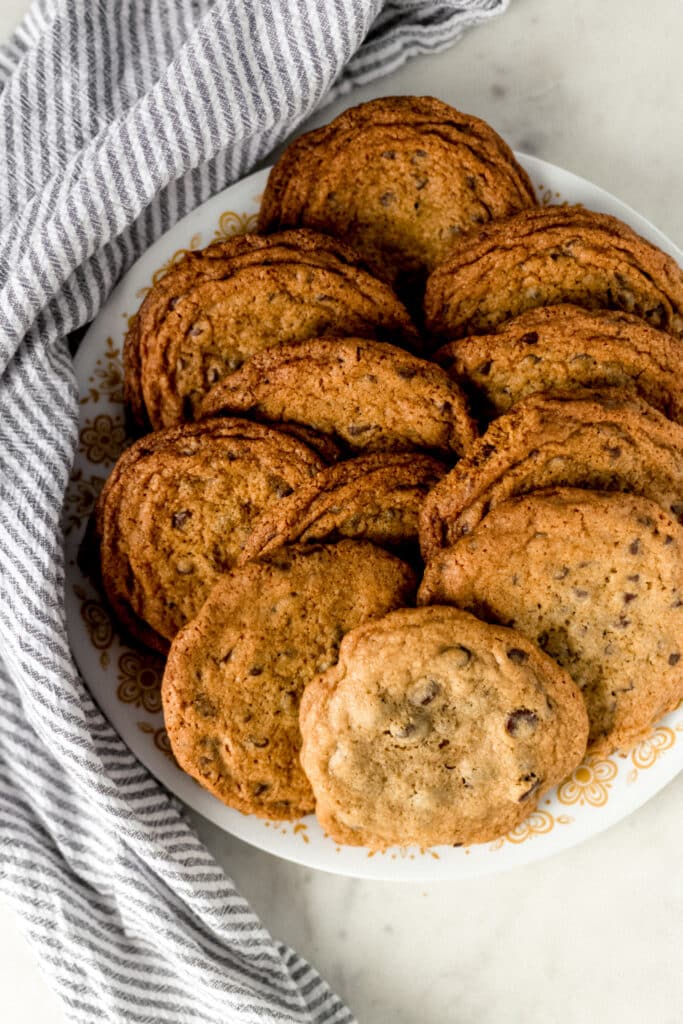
x=116 y=118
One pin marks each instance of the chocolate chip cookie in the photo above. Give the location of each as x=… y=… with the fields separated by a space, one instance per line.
x=373 y=497
x=218 y=306
x=566 y=347
x=401 y=179
x=545 y=256
x=611 y=441
x=367 y=395
x=176 y=510
x=435 y=727
x=595 y=579
x=235 y=674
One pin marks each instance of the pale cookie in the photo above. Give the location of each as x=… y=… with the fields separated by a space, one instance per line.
x=435 y=727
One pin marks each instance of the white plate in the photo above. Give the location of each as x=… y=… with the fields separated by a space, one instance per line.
x=125 y=682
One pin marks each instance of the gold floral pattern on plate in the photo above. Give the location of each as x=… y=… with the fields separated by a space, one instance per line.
x=537 y=824
x=160 y=739
x=139 y=676
x=590 y=783
x=231 y=223
x=81 y=495
x=106 y=380
x=98 y=623
x=650 y=749
x=103 y=438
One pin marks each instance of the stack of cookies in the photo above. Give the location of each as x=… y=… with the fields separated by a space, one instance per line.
x=404 y=511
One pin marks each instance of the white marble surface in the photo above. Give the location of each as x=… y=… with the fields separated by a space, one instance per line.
x=593 y=934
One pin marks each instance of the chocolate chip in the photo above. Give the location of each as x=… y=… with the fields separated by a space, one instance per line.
x=536 y=786
x=280 y=486
x=531 y=338
x=579 y=593
x=674 y=658
x=402 y=732
x=259 y=788
x=178 y=519
x=484 y=369
x=521 y=722
x=622 y=622
x=635 y=578
x=518 y=656
x=462 y=656
x=423 y=692
x=256 y=670
x=444 y=743
x=634 y=547
x=420 y=153
x=668 y=539
x=203 y=706
x=629 y=597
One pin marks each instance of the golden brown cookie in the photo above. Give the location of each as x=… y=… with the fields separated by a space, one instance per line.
x=400 y=178
x=367 y=395
x=595 y=579
x=612 y=441
x=549 y=255
x=435 y=727
x=373 y=497
x=235 y=674
x=566 y=347
x=176 y=510
x=218 y=306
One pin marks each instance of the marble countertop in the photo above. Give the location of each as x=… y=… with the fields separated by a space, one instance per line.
x=592 y=934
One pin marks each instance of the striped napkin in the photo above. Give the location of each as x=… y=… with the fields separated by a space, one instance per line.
x=116 y=118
